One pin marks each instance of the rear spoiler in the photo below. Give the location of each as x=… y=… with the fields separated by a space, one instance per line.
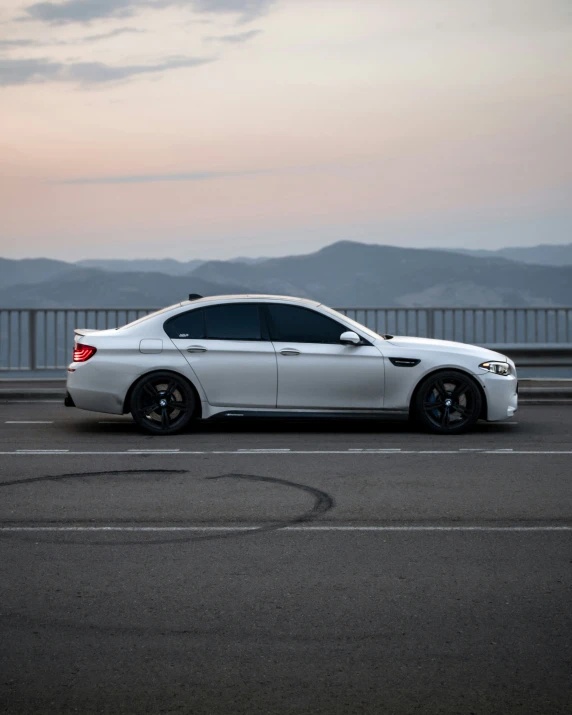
x=85 y=331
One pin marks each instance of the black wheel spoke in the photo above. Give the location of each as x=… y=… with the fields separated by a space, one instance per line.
x=150 y=390
x=459 y=391
x=164 y=417
x=445 y=417
x=171 y=387
x=440 y=387
x=430 y=406
x=179 y=405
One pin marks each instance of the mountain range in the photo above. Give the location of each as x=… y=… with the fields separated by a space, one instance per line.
x=153 y=265
x=344 y=274
x=548 y=254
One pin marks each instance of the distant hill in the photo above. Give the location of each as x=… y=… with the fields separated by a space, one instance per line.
x=344 y=274
x=356 y=274
x=94 y=288
x=30 y=270
x=247 y=259
x=145 y=265
x=170 y=266
x=543 y=255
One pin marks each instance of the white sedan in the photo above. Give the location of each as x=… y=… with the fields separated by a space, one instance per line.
x=273 y=356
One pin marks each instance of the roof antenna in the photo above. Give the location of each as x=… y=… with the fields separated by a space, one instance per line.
x=194 y=296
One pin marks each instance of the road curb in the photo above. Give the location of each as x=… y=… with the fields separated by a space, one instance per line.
x=14 y=395
x=32 y=389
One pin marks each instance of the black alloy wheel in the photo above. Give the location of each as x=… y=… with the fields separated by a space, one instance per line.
x=448 y=402
x=162 y=403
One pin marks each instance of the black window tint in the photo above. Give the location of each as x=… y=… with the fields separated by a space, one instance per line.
x=233 y=321
x=186 y=325
x=292 y=324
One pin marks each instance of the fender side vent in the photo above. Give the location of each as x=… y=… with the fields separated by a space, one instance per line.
x=404 y=362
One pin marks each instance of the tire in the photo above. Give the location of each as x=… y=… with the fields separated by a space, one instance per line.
x=147 y=406
x=431 y=408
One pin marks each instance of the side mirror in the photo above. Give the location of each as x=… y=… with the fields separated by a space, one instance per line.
x=350 y=338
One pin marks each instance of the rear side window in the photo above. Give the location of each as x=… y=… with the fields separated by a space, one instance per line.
x=230 y=321
x=186 y=325
x=234 y=321
x=292 y=324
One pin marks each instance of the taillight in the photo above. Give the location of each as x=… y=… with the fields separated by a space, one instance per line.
x=81 y=352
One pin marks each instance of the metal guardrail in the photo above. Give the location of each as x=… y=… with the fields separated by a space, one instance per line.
x=478 y=325
x=42 y=339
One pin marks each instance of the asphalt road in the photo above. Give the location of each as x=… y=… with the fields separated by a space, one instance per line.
x=284 y=568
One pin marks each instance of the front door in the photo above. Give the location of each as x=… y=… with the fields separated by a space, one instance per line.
x=315 y=371
x=228 y=348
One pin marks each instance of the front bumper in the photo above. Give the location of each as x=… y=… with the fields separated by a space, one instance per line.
x=502 y=395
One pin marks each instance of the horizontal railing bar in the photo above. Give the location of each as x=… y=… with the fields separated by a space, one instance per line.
x=41 y=338
x=69 y=310
x=459 y=308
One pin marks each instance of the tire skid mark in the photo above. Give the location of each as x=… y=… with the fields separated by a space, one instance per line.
x=323 y=502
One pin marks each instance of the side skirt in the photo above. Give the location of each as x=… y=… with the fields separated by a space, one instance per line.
x=307 y=414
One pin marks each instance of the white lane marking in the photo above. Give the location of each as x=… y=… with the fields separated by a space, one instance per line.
x=42 y=451
x=153 y=451
x=321 y=528
x=372 y=449
x=29 y=422
x=387 y=452
x=266 y=451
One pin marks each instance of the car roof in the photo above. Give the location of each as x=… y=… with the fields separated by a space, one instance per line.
x=250 y=296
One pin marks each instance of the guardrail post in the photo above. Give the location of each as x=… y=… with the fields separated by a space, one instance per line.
x=430 y=322
x=32 y=322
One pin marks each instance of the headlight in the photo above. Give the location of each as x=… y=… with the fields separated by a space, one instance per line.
x=499 y=368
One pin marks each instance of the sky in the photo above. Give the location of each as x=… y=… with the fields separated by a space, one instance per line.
x=217 y=128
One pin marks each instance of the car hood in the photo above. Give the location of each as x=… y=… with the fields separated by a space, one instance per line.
x=444 y=346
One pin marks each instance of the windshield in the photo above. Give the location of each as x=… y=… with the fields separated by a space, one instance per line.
x=355 y=324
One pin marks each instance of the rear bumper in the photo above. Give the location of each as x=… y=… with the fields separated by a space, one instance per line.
x=95 y=401
x=88 y=389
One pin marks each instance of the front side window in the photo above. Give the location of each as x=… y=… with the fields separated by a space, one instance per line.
x=292 y=324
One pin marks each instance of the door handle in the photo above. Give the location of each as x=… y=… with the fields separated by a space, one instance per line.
x=196 y=349
x=289 y=351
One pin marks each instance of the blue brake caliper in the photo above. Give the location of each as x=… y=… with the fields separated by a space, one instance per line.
x=434 y=399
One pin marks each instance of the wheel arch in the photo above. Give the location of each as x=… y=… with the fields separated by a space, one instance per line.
x=484 y=407
x=198 y=403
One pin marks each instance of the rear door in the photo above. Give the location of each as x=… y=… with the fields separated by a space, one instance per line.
x=229 y=349
x=315 y=370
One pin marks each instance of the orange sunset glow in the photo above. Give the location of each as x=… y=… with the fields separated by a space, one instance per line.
x=215 y=128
